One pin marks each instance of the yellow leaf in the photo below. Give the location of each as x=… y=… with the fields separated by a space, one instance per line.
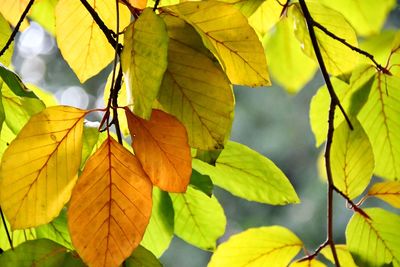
x=195 y=90
x=81 y=42
x=110 y=206
x=5 y=33
x=12 y=11
x=344 y=256
x=308 y=263
x=273 y=246
x=43 y=12
x=265 y=17
x=161 y=145
x=387 y=191
x=140 y=4
x=227 y=33
x=39 y=168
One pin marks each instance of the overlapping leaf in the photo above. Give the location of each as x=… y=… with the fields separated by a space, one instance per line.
x=374 y=242
x=5 y=33
x=343 y=255
x=265 y=17
x=275 y=246
x=142 y=257
x=14 y=83
x=195 y=90
x=17 y=236
x=12 y=11
x=110 y=206
x=81 y=42
x=308 y=263
x=162 y=148
x=387 y=191
x=199 y=219
x=249 y=175
x=39 y=168
x=226 y=32
x=144 y=60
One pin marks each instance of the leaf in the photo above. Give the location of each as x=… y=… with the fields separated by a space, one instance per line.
x=5 y=33
x=85 y=48
x=43 y=12
x=380 y=120
x=249 y=175
x=338 y=58
x=387 y=191
x=17 y=236
x=110 y=206
x=287 y=63
x=352 y=159
x=308 y=263
x=343 y=254
x=202 y=183
x=374 y=242
x=40 y=166
x=199 y=219
x=265 y=17
x=6 y=137
x=140 y=4
x=226 y=32
x=90 y=139
x=195 y=90
x=366 y=16
x=144 y=60
x=41 y=252
x=162 y=148
x=142 y=257
x=274 y=245
x=160 y=230
x=12 y=11
x=14 y=83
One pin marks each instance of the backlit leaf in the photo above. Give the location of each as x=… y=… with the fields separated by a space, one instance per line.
x=380 y=120
x=308 y=263
x=199 y=219
x=338 y=58
x=85 y=48
x=249 y=175
x=140 y=4
x=160 y=230
x=14 y=83
x=352 y=159
x=343 y=254
x=17 y=236
x=40 y=166
x=5 y=32
x=43 y=12
x=142 y=257
x=41 y=252
x=161 y=145
x=144 y=60
x=226 y=32
x=273 y=246
x=387 y=191
x=12 y=11
x=265 y=17
x=195 y=90
x=6 y=137
x=374 y=242
x=110 y=206
x=90 y=139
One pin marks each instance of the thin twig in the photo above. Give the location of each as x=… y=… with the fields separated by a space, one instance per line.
x=6 y=228
x=353 y=205
x=316 y=252
x=17 y=26
x=117 y=87
x=352 y=47
x=156 y=5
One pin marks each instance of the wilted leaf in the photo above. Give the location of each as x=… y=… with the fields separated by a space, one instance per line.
x=387 y=191
x=374 y=242
x=144 y=60
x=12 y=11
x=227 y=33
x=142 y=257
x=40 y=166
x=195 y=90
x=199 y=219
x=308 y=263
x=5 y=33
x=110 y=206
x=343 y=254
x=274 y=245
x=162 y=148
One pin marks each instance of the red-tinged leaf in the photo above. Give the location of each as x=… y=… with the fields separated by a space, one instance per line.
x=161 y=144
x=110 y=206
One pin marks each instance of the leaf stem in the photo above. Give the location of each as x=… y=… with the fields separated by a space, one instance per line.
x=16 y=29
x=353 y=205
x=6 y=229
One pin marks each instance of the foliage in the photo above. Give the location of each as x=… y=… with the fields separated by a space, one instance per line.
x=73 y=195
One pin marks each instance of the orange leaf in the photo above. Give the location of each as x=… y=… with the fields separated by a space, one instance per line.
x=161 y=144
x=110 y=206
x=131 y=4
x=387 y=191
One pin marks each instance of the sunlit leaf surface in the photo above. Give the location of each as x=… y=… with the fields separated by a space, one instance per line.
x=387 y=191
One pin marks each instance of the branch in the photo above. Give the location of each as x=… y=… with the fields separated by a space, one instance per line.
x=353 y=205
x=115 y=91
x=354 y=48
x=156 y=5
x=316 y=252
x=6 y=228
x=16 y=29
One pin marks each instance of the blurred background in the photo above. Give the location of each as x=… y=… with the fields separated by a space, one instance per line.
x=268 y=120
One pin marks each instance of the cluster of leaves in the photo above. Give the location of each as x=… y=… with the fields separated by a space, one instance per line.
x=81 y=197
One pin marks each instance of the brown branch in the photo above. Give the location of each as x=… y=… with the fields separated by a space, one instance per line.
x=156 y=5
x=6 y=229
x=316 y=252
x=353 y=205
x=17 y=26
x=115 y=91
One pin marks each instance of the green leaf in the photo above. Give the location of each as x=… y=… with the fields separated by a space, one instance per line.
x=199 y=219
x=144 y=60
x=387 y=191
x=343 y=254
x=14 y=83
x=352 y=159
x=5 y=33
x=227 y=33
x=374 y=242
x=287 y=63
x=209 y=156
x=57 y=230
x=43 y=12
x=160 y=230
x=308 y=263
x=6 y=137
x=142 y=257
x=90 y=139
x=195 y=90
x=380 y=120
x=366 y=16
x=40 y=252
x=338 y=58
x=274 y=245
x=265 y=17
x=17 y=236
x=202 y=183
x=379 y=45
x=249 y=175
